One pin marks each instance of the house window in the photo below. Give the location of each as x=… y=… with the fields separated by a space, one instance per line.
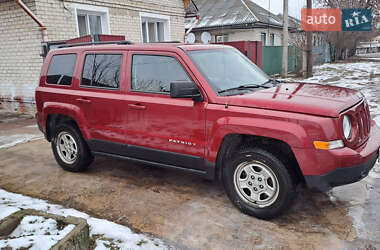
x=91 y=19
x=89 y=24
x=154 y=27
x=264 y=38
x=272 y=39
x=221 y=38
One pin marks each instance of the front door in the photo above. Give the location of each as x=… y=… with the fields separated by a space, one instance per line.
x=160 y=128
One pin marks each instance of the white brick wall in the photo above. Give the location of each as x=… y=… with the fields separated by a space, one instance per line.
x=20 y=60
x=20 y=37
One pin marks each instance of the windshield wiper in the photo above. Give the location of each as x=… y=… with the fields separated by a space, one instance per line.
x=273 y=81
x=243 y=87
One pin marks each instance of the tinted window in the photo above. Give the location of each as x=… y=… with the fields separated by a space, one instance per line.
x=61 y=69
x=155 y=73
x=101 y=70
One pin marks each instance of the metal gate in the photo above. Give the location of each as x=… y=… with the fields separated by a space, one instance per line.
x=272 y=59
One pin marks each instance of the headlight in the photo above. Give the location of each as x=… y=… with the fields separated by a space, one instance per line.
x=347 y=127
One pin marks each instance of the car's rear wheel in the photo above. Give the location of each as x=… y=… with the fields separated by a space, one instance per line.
x=258 y=183
x=70 y=150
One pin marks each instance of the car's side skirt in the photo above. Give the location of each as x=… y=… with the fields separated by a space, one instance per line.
x=171 y=160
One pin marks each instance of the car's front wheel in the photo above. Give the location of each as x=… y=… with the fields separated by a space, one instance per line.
x=258 y=183
x=70 y=150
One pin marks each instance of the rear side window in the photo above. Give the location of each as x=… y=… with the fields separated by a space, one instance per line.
x=101 y=71
x=152 y=73
x=61 y=69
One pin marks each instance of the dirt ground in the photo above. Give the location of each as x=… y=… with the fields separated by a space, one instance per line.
x=187 y=211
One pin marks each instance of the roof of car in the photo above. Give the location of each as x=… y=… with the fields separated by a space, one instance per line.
x=144 y=46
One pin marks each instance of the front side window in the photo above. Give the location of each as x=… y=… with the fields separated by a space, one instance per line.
x=102 y=71
x=154 y=73
x=227 y=68
x=61 y=69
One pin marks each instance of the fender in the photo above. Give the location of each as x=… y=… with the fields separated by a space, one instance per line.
x=69 y=110
x=289 y=132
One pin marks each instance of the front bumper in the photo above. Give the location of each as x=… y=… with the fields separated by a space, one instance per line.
x=324 y=169
x=339 y=176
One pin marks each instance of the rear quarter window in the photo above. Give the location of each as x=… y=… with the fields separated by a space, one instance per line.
x=61 y=69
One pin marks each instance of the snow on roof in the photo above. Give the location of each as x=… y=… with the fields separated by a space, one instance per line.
x=216 y=13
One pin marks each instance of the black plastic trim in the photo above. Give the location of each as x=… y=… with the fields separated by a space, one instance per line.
x=155 y=157
x=95 y=43
x=339 y=176
x=162 y=165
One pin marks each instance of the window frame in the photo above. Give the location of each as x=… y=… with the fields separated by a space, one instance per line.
x=72 y=78
x=224 y=38
x=86 y=10
x=263 y=35
x=101 y=53
x=130 y=90
x=151 y=17
x=272 y=39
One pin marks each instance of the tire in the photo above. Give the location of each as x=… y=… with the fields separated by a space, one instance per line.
x=258 y=183
x=69 y=148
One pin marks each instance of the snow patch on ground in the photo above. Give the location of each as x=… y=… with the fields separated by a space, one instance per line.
x=375 y=58
x=8 y=141
x=36 y=232
x=32 y=126
x=377 y=120
x=106 y=233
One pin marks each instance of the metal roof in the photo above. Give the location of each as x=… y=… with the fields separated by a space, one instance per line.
x=218 y=13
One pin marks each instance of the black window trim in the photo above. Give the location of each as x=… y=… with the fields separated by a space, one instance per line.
x=154 y=92
x=62 y=85
x=95 y=87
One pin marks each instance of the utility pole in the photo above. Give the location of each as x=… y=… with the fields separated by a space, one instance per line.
x=285 y=40
x=309 y=47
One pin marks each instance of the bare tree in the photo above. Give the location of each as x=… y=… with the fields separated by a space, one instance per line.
x=298 y=40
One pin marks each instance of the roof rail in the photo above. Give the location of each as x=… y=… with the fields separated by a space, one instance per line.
x=167 y=42
x=95 y=43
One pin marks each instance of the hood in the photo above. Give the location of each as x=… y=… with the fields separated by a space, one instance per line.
x=315 y=99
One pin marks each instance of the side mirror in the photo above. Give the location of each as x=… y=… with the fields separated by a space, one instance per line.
x=184 y=89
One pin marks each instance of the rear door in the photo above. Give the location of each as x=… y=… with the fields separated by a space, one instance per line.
x=101 y=98
x=160 y=128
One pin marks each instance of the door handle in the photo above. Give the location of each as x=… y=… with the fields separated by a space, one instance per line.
x=137 y=106
x=83 y=100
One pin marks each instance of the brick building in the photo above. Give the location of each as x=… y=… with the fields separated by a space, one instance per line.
x=20 y=37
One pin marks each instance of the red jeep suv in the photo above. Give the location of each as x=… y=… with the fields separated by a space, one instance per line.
x=207 y=110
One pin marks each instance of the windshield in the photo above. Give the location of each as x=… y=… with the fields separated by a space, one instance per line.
x=227 y=69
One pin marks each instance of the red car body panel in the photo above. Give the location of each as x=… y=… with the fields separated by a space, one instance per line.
x=294 y=113
x=308 y=98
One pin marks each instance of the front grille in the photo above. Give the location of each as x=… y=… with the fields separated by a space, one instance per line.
x=363 y=123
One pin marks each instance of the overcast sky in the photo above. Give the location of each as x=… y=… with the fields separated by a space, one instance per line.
x=276 y=6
